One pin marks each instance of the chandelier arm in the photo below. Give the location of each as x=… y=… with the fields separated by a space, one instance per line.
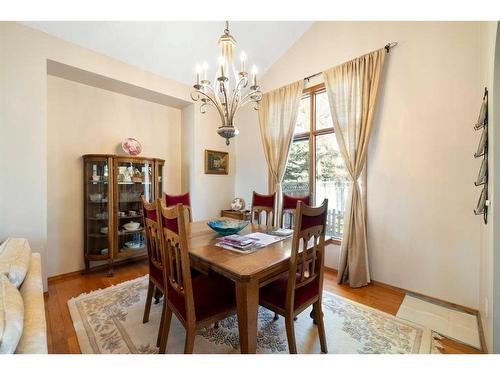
x=212 y=102
x=235 y=105
x=226 y=109
x=235 y=101
x=219 y=104
x=248 y=97
x=247 y=101
x=215 y=96
x=250 y=100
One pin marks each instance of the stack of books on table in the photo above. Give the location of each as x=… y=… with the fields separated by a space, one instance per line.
x=240 y=243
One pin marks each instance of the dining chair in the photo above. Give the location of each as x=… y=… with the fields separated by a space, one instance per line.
x=302 y=285
x=263 y=203
x=185 y=199
x=289 y=206
x=196 y=302
x=156 y=282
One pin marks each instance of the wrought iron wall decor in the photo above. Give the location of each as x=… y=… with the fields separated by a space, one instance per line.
x=482 y=151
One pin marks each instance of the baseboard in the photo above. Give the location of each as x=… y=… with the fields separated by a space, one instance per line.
x=64 y=276
x=438 y=301
x=102 y=267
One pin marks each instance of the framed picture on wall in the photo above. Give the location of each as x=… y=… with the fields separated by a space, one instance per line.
x=216 y=162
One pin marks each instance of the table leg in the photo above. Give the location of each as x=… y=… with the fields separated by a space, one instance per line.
x=247 y=302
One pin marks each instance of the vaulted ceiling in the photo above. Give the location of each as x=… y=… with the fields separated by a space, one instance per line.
x=172 y=49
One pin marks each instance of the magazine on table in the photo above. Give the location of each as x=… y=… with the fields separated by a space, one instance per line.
x=248 y=243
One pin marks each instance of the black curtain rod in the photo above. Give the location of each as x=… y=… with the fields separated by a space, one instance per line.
x=387 y=47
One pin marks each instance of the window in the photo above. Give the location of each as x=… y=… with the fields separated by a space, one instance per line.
x=315 y=165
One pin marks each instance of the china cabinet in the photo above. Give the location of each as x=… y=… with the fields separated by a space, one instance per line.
x=113 y=219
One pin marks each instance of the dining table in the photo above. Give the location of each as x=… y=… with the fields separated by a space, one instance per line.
x=249 y=271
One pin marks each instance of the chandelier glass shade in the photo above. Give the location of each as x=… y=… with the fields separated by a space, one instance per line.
x=226 y=94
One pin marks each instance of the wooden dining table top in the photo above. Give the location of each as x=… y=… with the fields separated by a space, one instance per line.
x=232 y=264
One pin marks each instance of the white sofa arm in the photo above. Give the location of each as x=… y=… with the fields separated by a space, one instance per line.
x=34 y=338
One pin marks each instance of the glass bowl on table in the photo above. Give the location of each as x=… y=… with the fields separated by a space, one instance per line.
x=227 y=227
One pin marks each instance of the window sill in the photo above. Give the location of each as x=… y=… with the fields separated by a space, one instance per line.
x=333 y=241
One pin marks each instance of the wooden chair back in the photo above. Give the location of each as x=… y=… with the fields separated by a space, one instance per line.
x=289 y=205
x=263 y=203
x=153 y=234
x=175 y=249
x=308 y=249
x=185 y=199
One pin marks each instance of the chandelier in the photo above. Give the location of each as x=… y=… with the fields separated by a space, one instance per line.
x=226 y=95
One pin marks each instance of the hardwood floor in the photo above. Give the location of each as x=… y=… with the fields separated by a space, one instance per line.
x=62 y=337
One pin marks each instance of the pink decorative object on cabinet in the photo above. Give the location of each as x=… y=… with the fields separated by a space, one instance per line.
x=131 y=146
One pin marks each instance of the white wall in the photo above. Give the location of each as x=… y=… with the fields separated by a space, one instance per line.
x=491 y=288
x=86 y=120
x=23 y=152
x=252 y=172
x=209 y=192
x=488 y=33
x=422 y=234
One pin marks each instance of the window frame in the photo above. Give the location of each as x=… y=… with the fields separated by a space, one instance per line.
x=311 y=135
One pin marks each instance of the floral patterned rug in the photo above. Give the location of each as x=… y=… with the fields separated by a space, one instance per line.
x=110 y=321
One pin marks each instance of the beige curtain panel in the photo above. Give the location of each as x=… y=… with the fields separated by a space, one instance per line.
x=277 y=118
x=352 y=92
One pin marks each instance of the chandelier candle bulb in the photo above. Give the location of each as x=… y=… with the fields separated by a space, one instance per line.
x=243 y=57
x=221 y=63
x=205 y=70
x=254 y=76
x=198 y=71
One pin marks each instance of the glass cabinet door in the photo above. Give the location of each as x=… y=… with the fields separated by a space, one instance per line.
x=159 y=173
x=97 y=208
x=134 y=178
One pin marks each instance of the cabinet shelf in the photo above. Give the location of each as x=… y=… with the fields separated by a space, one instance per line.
x=126 y=252
x=125 y=233
x=134 y=183
x=129 y=217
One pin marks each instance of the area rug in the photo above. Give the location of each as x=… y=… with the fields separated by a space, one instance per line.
x=110 y=321
x=447 y=321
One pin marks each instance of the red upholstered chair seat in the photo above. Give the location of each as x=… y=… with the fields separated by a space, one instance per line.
x=275 y=293
x=212 y=295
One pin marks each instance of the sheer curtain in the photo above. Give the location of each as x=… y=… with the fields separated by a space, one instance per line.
x=277 y=117
x=352 y=92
